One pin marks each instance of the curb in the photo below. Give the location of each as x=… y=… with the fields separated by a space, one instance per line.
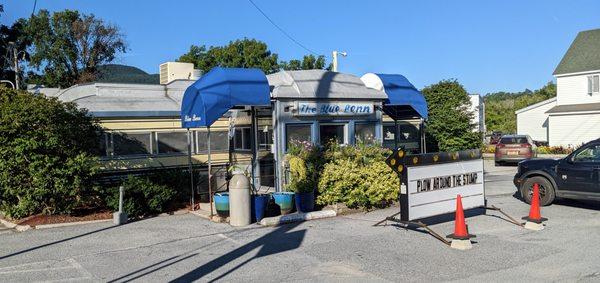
x=17 y=227
x=289 y=218
x=58 y=225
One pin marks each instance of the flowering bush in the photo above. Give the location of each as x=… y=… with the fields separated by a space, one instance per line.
x=555 y=149
x=358 y=177
x=305 y=162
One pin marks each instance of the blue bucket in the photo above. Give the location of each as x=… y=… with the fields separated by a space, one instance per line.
x=305 y=202
x=259 y=206
x=222 y=204
x=285 y=201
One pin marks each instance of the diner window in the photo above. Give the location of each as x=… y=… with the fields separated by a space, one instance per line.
x=242 y=139
x=298 y=133
x=364 y=133
x=131 y=143
x=332 y=133
x=103 y=147
x=265 y=138
x=408 y=136
x=219 y=141
x=172 y=142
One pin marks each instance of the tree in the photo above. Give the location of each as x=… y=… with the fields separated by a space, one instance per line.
x=500 y=107
x=47 y=151
x=449 y=127
x=68 y=46
x=247 y=53
x=13 y=38
x=241 y=53
x=308 y=62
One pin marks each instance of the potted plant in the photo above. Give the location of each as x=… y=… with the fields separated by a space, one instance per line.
x=304 y=161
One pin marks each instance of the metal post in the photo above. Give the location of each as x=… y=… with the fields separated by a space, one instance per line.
x=121 y=193
x=395 y=134
x=191 y=168
x=210 y=196
x=254 y=145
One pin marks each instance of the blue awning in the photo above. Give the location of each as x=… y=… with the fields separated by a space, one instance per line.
x=404 y=100
x=207 y=99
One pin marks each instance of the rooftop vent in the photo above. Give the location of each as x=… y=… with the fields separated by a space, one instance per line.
x=171 y=71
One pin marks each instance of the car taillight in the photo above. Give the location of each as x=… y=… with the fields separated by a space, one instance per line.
x=526 y=145
x=499 y=145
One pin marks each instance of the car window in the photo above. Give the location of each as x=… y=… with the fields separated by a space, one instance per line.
x=513 y=140
x=590 y=154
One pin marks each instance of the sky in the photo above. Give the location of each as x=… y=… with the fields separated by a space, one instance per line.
x=488 y=46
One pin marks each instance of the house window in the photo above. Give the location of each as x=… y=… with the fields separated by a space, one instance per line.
x=593 y=84
x=172 y=142
x=242 y=139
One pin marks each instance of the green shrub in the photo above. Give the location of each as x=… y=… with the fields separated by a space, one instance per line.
x=305 y=162
x=142 y=197
x=47 y=151
x=358 y=177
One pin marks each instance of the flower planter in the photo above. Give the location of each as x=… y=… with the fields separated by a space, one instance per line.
x=259 y=206
x=222 y=204
x=305 y=202
x=285 y=201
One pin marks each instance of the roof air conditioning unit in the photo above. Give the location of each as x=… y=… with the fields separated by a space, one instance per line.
x=171 y=71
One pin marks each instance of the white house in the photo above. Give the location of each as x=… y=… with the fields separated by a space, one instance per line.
x=533 y=120
x=573 y=117
x=478 y=110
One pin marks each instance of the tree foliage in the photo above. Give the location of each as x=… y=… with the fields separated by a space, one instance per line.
x=308 y=62
x=47 y=150
x=449 y=127
x=247 y=53
x=69 y=46
x=13 y=36
x=241 y=53
x=500 y=107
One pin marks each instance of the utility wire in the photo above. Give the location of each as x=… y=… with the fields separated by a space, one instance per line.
x=34 y=4
x=283 y=31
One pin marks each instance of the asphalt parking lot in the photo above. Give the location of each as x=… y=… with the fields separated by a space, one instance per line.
x=346 y=248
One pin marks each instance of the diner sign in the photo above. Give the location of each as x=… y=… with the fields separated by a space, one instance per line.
x=333 y=109
x=430 y=182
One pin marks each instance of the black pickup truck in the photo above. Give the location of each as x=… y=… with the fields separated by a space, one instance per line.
x=576 y=176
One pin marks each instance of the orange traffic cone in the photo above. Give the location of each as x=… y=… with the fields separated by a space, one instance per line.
x=535 y=219
x=460 y=228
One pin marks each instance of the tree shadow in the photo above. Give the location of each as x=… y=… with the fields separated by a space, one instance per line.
x=277 y=241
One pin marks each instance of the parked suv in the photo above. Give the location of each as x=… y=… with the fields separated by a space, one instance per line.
x=514 y=148
x=576 y=176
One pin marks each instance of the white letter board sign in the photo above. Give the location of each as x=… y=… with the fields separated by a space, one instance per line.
x=432 y=181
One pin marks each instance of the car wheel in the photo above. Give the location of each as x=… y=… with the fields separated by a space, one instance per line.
x=547 y=193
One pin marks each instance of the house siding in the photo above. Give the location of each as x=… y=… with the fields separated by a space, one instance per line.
x=534 y=122
x=573 y=130
x=574 y=90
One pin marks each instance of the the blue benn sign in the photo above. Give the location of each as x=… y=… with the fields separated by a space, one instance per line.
x=333 y=109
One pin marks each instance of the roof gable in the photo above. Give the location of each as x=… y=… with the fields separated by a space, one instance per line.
x=583 y=54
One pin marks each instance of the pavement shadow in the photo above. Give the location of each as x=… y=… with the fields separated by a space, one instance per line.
x=277 y=241
x=56 y=242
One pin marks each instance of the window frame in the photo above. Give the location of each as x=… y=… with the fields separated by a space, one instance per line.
x=363 y=123
x=242 y=130
x=593 y=84
x=285 y=128
x=344 y=126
